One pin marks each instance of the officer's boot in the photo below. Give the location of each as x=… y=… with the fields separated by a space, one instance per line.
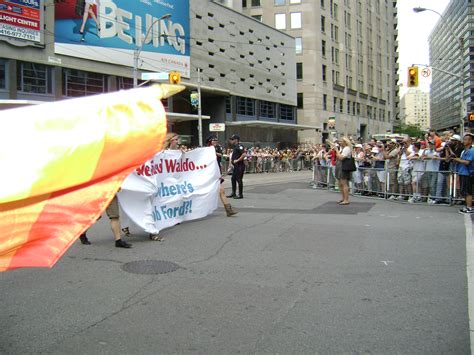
x=230 y=212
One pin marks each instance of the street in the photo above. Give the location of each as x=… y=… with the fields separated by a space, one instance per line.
x=293 y=272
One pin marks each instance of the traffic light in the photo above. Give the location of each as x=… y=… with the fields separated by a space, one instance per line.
x=175 y=77
x=413 y=77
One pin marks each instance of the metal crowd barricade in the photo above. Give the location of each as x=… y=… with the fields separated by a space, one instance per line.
x=441 y=187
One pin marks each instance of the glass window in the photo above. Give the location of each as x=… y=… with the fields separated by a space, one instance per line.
x=325 y=102
x=323 y=24
x=299 y=100
x=287 y=113
x=279 y=2
x=341 y=105
x=3 y=74
x=124 y=83
x=244 y=3
x=299 y=71
x=267 y=109
x=280 y=21
x=257 y=17
x=81 y=83
x=299 y=45
x=295 y=18
x=228 y=105
x=323 y=47
x=255 y=3
x=245 y=106
x=322 y=4
x=34 y=78
x=324 y=72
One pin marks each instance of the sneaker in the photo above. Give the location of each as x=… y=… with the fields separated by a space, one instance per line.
x=122 y=244
x=238 y=197
x=431 y=202
x=467 y=210
x=411 y=200
x=393 y=198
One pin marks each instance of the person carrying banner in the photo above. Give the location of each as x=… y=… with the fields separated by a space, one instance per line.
x=112 y=212
x=238 y=165
x=213 y=142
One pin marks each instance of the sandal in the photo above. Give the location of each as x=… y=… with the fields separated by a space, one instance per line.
x=156 y=237
x=344 y=203
x=126 y=232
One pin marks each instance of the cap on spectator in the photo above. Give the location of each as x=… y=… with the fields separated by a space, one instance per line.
x=393 y=140
x=375 y=150
x=235 y=136
x=468 y=134
x=456 y=137
x=358 y=146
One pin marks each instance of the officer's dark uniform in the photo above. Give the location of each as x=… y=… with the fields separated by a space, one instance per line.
x=238 y=172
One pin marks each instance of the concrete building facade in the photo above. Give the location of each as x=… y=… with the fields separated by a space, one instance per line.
x=458 y=23
x=346 y=53
x=247 y=69
x=415 y=109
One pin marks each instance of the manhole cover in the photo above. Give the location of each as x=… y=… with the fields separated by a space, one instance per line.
x=150 y=267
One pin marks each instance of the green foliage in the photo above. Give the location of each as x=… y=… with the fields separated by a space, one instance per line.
x=411 y=130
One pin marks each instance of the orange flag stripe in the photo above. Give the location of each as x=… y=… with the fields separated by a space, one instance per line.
x=78 y=176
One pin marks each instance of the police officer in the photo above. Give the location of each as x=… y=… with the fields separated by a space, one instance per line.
x=213 y=142
x=237 y=162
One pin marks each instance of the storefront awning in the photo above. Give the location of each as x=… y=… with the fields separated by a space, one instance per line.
x=6 y=104
x=183 y=117
x=275 y=125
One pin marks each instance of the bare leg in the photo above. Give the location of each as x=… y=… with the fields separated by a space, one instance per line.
x=94 y=17
x=345 y=190
x=115 y=224
x=85 y=17
x=222 y=196
x=469 y=201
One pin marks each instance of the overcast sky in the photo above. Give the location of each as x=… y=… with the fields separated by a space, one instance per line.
x=413 y=31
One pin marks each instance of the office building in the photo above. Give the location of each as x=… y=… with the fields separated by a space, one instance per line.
x=415 y=109
x=445 y=59
x=247 y=69
x=346 y=61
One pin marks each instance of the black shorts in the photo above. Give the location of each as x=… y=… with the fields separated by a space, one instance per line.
x=466 y=183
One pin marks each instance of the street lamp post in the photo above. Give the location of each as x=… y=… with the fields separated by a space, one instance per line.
x=460 y=41
x=138 y=50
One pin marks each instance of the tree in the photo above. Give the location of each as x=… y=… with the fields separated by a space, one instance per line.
x=411 y=130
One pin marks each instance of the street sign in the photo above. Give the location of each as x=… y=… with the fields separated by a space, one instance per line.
x=216 y=127
x=155 y=76
x=426 y=72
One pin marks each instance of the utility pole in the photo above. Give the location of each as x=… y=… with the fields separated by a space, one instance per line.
x=138 y=49
x=199 y=108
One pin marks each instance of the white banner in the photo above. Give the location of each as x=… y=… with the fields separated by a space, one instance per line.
x=172 y=188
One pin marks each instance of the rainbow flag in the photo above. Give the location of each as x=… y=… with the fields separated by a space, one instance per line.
x=62 y=164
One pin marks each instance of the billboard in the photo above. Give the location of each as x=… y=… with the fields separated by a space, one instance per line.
x=21 y=22
x=112 y=30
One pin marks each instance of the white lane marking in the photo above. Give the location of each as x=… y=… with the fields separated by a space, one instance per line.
x=386 y=262
x=470 y=275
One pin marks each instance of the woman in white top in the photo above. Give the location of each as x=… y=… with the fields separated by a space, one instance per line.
x=343 y=176
x=89 y=11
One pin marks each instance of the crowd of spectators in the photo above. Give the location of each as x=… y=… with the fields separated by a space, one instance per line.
x=412 y=169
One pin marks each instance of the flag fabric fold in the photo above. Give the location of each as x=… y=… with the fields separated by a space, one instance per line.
x=63 y=163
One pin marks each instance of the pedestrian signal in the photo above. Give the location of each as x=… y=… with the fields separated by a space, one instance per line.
x=175 y=77
x=412 y=77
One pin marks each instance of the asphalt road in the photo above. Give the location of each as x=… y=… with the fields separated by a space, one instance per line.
x=291 y=273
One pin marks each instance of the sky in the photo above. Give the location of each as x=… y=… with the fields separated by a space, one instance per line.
x=413 y=32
